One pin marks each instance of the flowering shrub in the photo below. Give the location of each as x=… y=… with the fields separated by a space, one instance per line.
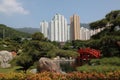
x=57 y=76
x=12 y=76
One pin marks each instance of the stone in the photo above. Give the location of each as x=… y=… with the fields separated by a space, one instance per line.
x=33 y=71
x=5 y=57
x=118 y=43
x=46 y=64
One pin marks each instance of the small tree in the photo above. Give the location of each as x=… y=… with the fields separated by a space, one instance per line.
x=25 y=62
x=38 y=36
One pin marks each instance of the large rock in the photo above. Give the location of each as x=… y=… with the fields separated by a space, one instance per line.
x=33 y=70
x=46 y=64
x=118 y=43
x=5 y=57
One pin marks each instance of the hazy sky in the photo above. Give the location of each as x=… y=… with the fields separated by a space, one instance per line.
x=29 y=13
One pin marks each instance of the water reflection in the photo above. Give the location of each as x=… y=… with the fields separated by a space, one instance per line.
x=67 y=66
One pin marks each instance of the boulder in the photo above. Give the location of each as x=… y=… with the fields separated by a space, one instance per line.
x=118 y=43
x=46 y=64
x=33 y=71
x=5 y=57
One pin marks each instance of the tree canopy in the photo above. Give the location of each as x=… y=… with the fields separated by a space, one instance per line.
x=107 y=39
x=111 y=20
x=38 y=36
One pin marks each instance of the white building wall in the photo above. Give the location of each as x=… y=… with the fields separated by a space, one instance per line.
x=51 y=30
x=86 y=33
x=44 y=28
x=60 y=29
x=65 y=30
x=56 y=30
x=68 y=32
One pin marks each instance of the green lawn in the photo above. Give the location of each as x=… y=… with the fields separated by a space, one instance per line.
x=98 y=68
x=12 y=69
x=101 y=65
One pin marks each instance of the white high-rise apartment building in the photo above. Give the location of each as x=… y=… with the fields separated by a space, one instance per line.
x=68 y=32
x=58 y=30
x=84 y=33
x=44 y=28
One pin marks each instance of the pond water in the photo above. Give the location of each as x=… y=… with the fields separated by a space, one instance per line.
x=67 y=66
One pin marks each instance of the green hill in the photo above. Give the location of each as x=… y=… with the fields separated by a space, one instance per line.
x=28 y=30
x=6 y=31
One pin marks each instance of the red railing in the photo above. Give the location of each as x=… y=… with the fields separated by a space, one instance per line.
x=87 y=54
x=91 y=53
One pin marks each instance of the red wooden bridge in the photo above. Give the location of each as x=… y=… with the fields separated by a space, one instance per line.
x=86 y=54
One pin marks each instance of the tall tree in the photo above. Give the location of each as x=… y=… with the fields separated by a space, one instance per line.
x=25 y=62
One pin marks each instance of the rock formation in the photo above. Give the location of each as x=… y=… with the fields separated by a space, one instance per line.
x=46 y=64
x=5 y=57
x=118 y=43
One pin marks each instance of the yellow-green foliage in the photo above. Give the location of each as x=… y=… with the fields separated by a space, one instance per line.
x=57 y=76
x=12 y=76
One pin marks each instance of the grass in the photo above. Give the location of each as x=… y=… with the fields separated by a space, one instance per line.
x=101 y=65
x=107 y=61
x=11 y=69
x=14 y=69
x=98 y=68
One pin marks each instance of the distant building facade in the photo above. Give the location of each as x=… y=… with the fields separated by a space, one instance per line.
x=68 y=31
x=86 y=33
x=75 y=27
x=58 y=30
x=44 y=28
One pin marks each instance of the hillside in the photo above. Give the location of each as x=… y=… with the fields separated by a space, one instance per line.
x=33 y=30
x=85 y=25
x=6 y=31
x=28 y=30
